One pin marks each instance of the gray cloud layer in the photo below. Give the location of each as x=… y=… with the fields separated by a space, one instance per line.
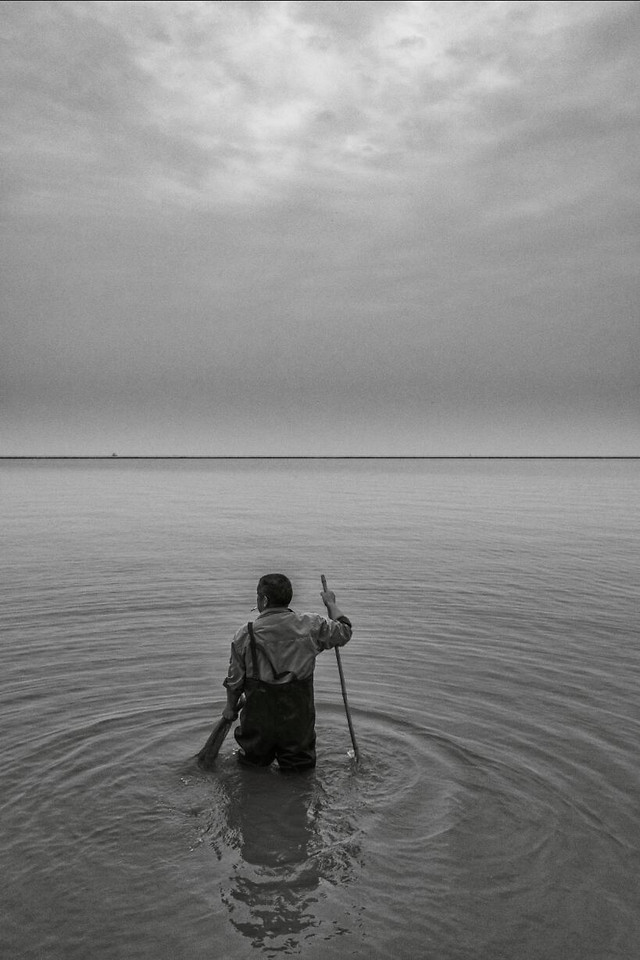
x=373 y=227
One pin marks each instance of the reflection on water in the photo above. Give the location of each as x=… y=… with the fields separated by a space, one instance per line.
x=274 y=824
x=290 y=845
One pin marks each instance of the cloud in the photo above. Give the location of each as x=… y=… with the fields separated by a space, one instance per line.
x=362 y=207
x=228 y=102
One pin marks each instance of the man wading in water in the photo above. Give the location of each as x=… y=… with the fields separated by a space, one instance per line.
x=272 y=664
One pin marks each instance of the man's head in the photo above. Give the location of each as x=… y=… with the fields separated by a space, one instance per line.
x=274 y=590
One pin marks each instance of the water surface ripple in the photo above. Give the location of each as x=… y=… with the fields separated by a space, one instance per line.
x=493 y=681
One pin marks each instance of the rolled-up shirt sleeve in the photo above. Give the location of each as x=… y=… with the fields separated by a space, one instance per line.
x=333 y=633
x=236 y=673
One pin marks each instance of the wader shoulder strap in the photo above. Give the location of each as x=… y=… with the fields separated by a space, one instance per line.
x=254 y=655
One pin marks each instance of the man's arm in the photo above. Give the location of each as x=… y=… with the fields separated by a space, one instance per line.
x=341 y=631
x=230 y=712
x=334 y=611
x=234 y=683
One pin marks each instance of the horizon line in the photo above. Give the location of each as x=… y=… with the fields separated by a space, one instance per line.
x=363 y=456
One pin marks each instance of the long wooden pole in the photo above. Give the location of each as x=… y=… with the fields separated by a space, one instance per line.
x=343 y=685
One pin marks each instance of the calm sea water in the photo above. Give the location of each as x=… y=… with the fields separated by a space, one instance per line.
x=492 y=677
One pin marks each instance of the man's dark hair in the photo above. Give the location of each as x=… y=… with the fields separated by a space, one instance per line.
x=276 y=588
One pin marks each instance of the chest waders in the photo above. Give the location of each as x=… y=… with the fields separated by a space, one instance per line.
x=277 y=721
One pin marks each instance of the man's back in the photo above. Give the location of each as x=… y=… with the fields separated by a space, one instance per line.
x=271 y=668
x=287 y=643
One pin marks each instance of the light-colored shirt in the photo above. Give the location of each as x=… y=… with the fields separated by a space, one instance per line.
x=291 y=641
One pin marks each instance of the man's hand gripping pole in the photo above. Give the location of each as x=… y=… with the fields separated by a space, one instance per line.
x=356 y=752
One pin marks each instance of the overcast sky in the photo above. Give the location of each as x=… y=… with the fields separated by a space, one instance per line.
x=320 y=228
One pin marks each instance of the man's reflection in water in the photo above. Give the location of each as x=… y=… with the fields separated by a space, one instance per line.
x=275 y=821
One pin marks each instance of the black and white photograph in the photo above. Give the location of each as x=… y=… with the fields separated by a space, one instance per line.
x=320 y=480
